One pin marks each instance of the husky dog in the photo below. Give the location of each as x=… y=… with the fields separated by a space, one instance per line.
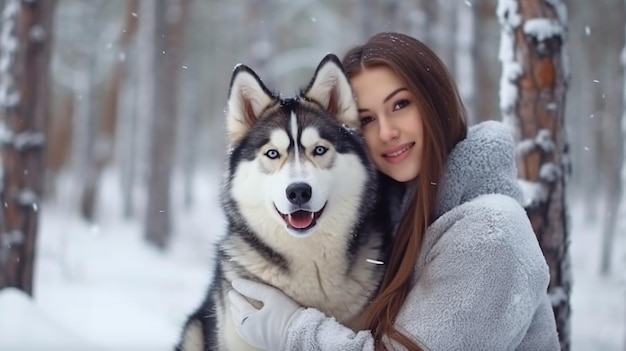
x=302 y=201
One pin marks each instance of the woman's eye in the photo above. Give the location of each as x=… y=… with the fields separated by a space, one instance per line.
x=401 y=104
x=366 y=120
x=319 y=150
x=272 y=154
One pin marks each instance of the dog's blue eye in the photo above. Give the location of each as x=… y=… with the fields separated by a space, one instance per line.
x=320 y=150
x=272 y=154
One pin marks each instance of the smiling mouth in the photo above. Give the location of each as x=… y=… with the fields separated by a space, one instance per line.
x=399 y=152
x=301 y=220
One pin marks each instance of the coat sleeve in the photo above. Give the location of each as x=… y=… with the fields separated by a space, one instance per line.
x=482 y=283
x=478 y=290
x=313 y=330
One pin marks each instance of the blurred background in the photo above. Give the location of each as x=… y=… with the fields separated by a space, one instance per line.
x=135 y=149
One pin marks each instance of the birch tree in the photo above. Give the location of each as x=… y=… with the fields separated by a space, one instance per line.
x=25 y=43
x=533 y=88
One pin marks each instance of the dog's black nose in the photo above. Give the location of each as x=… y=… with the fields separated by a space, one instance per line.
x=299 y=193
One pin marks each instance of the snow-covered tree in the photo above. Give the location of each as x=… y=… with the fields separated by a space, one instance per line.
x=533 y=89
x=25 y=43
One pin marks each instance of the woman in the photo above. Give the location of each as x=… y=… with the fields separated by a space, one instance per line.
x=466 y=271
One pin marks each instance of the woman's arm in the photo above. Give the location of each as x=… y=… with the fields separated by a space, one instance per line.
x=281 y=324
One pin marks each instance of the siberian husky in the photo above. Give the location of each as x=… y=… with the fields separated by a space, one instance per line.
x=302 y=201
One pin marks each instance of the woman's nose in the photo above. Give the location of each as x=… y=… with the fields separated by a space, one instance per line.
x=387 y=131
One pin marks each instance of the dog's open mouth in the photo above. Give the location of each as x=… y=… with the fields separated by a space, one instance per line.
x=301 y=220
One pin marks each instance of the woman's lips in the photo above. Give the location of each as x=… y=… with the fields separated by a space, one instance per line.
x=398 y=154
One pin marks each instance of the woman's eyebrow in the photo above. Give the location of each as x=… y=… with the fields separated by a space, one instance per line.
x=394 y=93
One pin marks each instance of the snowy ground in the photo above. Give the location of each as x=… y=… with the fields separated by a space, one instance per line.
x=99 y=287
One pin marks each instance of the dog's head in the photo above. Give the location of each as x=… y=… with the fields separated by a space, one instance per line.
x=296 y=163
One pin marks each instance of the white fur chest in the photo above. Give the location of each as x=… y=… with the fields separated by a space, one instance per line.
x=320 y=274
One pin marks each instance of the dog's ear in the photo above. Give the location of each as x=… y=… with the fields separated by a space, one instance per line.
x=330 y=88
x=247 y=98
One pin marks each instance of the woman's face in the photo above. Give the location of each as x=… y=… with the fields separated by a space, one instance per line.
x=390 y=121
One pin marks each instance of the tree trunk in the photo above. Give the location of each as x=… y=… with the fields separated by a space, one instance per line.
x=414 y=22
x=170 y=20
x=190 y=115
x=612 y=138
x=88 y=116
x=465 y=58
x=446 y=27
x=487 y=78
x=24 y=96
x=533 y=91
x=120 y=111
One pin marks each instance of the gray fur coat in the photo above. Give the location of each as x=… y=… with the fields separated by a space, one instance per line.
x=481 y=280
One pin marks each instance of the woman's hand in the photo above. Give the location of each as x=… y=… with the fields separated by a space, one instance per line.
x=264 y=328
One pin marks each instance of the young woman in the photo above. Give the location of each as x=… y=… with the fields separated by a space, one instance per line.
x=466 y=271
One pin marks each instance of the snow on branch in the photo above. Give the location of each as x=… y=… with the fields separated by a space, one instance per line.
x=9 y=96
x=27 y=198
x=543 y=28
x=534 y=193
x=558 y=296
x=524 y=147
x=543 y=142
x=22 y=141
x=549 y=172
x=28 y=140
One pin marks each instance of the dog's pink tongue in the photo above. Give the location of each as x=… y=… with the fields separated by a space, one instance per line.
x=300 y=219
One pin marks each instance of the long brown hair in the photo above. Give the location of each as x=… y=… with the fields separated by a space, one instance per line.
x=443 y=118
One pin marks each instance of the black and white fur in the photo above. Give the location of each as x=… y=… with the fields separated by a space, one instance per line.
x=286 y=155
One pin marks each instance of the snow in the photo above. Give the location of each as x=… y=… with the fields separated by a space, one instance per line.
x=29 y=139
x=19 y=316
x=534 y=193
x=557 y=296
x=549 y=172
x=100 y=287
x=543 y=28
x=524 y=147
x=544 y=140
x=509 y=19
